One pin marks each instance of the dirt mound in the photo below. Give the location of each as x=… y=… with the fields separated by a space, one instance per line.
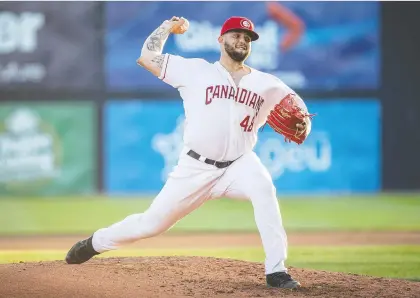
x=182 y=277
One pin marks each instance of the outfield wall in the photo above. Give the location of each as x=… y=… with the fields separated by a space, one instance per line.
x=77 y=116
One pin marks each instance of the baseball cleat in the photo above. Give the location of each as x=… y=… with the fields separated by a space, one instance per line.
x=281 y=280
x=81 y=252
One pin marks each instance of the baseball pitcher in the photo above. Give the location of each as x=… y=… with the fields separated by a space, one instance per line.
x=225 y=103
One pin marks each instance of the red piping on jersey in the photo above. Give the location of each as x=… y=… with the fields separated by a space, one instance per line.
x=166 y=67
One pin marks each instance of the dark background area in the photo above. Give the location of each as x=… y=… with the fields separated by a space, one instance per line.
x=399 y=95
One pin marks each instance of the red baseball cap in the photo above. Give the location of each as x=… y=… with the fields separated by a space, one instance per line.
x=239 y=23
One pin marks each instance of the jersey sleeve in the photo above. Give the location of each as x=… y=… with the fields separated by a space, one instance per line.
x=280 y=90
x=177 y=71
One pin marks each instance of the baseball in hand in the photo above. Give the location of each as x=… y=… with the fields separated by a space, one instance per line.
x=181 y=26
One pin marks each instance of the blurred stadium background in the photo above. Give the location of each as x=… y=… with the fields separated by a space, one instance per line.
x=87 y=137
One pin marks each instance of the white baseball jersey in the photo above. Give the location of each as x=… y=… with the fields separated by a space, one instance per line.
x=222 y=119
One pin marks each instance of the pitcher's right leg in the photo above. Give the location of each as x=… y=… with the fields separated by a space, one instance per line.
x=249 y=179
x=187 y=188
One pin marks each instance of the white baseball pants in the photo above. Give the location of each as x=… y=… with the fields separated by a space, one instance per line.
x=191 y=184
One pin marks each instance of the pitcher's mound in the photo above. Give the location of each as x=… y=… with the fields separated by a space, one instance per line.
x=182 y=277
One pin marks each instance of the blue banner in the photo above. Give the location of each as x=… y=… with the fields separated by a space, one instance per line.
x=309 y=45
x=342 y=154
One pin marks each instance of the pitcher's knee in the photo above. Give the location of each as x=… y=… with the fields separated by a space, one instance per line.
x=153 y=226
x=151 y=231
x=264 y=187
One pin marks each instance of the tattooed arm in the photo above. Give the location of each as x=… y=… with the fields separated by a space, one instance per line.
x=151 y=57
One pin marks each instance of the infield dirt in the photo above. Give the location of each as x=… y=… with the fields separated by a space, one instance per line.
x=191 y=276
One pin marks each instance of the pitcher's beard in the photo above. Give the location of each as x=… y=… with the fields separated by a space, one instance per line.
x=234 y=55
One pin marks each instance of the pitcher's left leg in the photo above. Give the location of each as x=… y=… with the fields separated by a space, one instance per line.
x=248 y=178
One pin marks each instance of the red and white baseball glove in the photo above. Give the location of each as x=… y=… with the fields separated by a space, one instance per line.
x=289 y=120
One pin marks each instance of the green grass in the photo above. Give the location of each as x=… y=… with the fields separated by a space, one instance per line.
x=384 y=261
x=84 y=215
